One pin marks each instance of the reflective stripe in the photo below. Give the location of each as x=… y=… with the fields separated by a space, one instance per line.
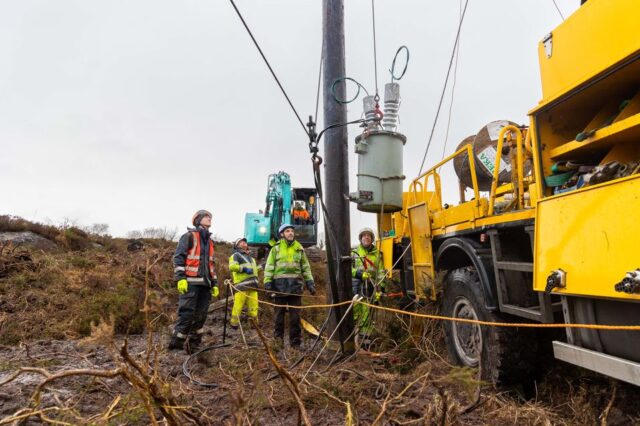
x=178 y=268
x=286 y=276
x=193 y=256
x=195 y=280
x=180 y=335
x=287 y=264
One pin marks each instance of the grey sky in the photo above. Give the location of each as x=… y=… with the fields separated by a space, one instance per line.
x=137 y=113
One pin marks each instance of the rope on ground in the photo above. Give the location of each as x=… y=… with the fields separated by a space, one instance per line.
x=355 y=300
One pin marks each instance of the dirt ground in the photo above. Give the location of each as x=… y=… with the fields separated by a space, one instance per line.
x=398 y=386
x=64 y=316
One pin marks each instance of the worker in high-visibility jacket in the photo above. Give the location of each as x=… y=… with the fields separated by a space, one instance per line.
x=197 y=282
x=244 y=272
x=367 y=274
x=286 y=269
x=300 y=215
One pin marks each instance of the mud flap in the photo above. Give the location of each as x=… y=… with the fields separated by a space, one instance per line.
x=422 y=251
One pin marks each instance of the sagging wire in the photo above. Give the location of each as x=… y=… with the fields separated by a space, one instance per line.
x=355 y=300
x=332 y=240
x=306 y=352
x=186 y=370
x=345 y=101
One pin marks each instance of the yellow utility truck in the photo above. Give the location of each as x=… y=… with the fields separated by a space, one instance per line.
x=547 y=227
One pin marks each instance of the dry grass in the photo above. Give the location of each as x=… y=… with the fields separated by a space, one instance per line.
x=98 y=295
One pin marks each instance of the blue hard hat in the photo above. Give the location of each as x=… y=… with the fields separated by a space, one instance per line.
x=285 y=226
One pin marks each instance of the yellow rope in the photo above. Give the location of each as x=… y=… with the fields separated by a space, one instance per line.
x=505 y=324
x=326 y=305
x=461 y=320
x=262 y=290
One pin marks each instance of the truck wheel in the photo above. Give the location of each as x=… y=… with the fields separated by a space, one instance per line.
x=503 y=354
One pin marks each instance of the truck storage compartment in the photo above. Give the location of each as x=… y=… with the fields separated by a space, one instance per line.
x=589 y=239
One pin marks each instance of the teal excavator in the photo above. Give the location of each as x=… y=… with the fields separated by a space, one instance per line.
x=284 y=205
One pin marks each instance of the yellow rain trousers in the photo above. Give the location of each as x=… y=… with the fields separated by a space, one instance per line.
x=250 y=297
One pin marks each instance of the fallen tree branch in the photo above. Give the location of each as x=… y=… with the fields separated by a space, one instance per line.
x=387 y=401
x=289 y=381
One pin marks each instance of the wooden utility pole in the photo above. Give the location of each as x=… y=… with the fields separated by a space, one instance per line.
x=336 y=170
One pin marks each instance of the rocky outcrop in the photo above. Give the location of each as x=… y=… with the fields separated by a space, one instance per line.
x=27 y=238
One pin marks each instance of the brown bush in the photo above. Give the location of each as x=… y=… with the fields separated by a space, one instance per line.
x=17 y=224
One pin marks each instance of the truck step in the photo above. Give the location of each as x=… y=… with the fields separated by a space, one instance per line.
x=618 y=368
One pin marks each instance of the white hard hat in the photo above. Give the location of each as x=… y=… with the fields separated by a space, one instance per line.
x=367 y=231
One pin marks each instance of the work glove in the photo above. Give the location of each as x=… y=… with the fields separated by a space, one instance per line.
x=311 y=287
x=376 y=296
x=215 y=291
x=183 y=286
x=366 y=275
x=247 y=270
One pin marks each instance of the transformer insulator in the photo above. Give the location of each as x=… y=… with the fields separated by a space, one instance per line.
x=390 y=119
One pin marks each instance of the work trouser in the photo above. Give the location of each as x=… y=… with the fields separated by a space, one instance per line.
x=250 y=297
x=192 y=313
x=295 y=330
x=362 y=313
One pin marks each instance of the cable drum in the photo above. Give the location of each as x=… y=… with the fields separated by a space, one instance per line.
x=484 y=145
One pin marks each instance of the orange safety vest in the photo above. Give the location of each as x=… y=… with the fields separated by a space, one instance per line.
x=300 y=214
x=193 y=257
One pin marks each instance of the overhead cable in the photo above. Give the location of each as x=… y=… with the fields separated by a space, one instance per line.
x=453 y=91
x=444 y=88
x=304 y=128
x=375 y=52
x=558 y=9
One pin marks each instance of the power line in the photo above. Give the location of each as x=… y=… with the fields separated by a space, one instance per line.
x=444 y=88
x=453 y=91
x=375 y=51
x=558 y=9
x=319 y=80
x=304 y=128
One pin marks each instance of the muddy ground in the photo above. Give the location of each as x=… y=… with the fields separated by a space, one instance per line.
x=413 y=387
x=66 y=312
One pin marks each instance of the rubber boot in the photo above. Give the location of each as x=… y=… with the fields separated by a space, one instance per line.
x=176 y=342
x=193 y=344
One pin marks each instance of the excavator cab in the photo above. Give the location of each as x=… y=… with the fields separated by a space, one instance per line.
x=305 y=216
x=285 y=204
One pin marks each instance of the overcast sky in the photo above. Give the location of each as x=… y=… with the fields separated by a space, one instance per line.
x=138 y=113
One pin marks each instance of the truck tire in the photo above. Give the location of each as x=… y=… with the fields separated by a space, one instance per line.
x=503 y=354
